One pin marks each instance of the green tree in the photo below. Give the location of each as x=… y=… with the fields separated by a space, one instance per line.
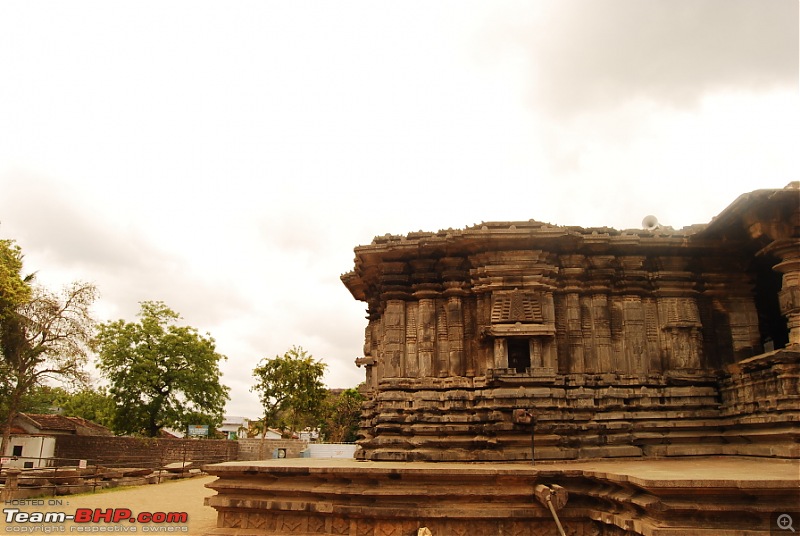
x=342 y=416
x=14 y=288
x=162 y=375
x=94 y=405
x=290 y=388
x=44 y=337
x=257 y=428
x=14 y=291
x=43 y=399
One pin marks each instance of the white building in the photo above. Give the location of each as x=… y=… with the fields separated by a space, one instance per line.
x=33 y=438
x=234 y=427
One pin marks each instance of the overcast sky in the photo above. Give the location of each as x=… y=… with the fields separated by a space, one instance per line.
x=226 y=157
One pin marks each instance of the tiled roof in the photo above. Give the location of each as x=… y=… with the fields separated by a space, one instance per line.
x=51 y=422
x=92 y=428
x=75 y=425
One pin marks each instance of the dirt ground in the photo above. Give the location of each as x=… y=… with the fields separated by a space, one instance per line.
x=174 y=496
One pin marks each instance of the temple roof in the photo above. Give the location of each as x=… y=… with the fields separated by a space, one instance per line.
x=761 y=217
x=751 y=222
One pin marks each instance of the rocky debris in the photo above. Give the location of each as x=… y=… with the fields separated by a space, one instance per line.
x=73 y=480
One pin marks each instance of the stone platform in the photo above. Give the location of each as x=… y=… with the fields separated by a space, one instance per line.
x=667 y=496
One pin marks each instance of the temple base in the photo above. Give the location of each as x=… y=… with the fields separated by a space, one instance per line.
x=718 y=495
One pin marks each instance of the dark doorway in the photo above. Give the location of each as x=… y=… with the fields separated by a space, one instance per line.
x=519 y=354
x=771 y=323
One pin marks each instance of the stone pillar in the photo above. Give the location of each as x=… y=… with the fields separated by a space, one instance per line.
x=634 y=286
x=730 y=333
x=379 y=368
x=411 y=363
x=789 y=297
x=635 y=341
x=393 y=338
x=572 y=271
x=426 y=336
x=602 y=332
x=577 y=361
x=550 y=344
x=442 y=346
x=587 y=335
x=743 y=323
x=500 y=353
x=470 y=342
x=370 y=379
x=678 y=314
x=455 y=335
x=535 y=351
x=682 y=330
x=484 y=357
x=616 y=314
x=563 y=354
x=600 y=276
x=370 y=352
x=427 y=286
x=651 y=332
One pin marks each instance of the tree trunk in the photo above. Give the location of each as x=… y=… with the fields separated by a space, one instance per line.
x=13 y=411
x=154 y=409
x=152 y=427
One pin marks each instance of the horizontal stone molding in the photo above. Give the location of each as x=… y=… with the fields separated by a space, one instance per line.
x=344 y=497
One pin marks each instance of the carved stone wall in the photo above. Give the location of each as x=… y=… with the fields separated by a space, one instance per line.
x=597 y=316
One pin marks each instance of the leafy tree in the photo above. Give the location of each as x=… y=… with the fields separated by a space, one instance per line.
x=43 y=399
x=14 y=291
x=162 y=375
x=14 y=288
x=93 y=404
x=257 y=428
x=342 y=416
x=43 y=335
x=90 y=404
x=290 y=387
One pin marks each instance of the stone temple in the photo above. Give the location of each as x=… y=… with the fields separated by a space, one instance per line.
x=650 y=374
x=616 y=343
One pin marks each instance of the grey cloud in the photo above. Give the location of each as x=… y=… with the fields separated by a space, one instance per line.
x=294 y=225
x=52 y=221
x=585 y=54
x=336 y=322
x=47 y=216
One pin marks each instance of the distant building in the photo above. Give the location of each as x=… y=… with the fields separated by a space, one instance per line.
x=47 y=424
x=308 y=435
x=234 y=427
x=33 y=437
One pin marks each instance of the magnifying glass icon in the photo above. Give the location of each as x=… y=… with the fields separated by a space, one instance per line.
x=785 y=522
